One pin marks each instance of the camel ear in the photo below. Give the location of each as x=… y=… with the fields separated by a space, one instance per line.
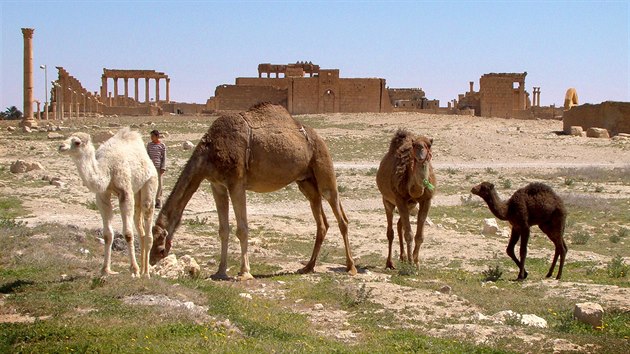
x=430 y=142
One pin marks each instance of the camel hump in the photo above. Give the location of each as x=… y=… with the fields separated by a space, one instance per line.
x=266 y=115
x=126 y=134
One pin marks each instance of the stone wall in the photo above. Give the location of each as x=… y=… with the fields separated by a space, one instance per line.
x=241 y=97
x=613 y=116
x=325 y=92
x=502 y=94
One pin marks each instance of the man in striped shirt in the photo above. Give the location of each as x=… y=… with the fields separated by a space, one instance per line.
x=157 y=152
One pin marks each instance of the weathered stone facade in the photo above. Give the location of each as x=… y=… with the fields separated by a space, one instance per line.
x=503 y=95
x=323 y=91
x=612 y=116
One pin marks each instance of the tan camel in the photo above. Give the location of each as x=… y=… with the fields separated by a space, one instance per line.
x=534 y=204
x=261 y=150
x=405 y=179
x=119 y=167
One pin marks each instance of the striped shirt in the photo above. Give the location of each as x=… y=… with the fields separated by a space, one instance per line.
x=157 y=153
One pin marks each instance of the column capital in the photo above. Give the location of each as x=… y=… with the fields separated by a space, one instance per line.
x=28 y=32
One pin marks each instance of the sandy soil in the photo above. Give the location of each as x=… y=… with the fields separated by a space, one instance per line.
x=462 y=145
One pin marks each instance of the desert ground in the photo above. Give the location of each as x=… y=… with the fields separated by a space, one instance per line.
x=591 y=175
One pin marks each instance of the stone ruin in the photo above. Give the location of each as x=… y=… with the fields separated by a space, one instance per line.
x=504 y=95
x=612 y=116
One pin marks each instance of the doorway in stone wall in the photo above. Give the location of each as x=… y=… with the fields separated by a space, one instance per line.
x=329 y=101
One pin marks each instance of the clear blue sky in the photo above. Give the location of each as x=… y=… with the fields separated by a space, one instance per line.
x=437 y=46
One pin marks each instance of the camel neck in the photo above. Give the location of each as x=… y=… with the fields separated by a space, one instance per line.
x=187 y=184
x=496 y=205
x=94 y=176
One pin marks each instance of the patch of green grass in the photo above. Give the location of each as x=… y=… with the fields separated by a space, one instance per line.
x=11 y=207
x=617 y=268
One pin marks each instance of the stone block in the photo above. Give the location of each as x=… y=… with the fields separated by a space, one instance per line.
x=590 y=313
x=597 y=133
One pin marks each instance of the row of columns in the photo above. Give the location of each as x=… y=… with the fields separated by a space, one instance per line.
x=536 y=97
x=104 y=93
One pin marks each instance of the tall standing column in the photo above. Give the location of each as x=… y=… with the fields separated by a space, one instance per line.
x=27 y=120
x=146 y=91
x=168 y=90
x=136 y=89
x=115 y=91
x=104 y=88
x=126 y=90
x=157 y=90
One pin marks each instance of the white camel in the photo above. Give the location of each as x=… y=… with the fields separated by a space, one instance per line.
x=120 y=166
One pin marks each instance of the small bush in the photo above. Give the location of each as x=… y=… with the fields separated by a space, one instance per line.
x=617 y=268
x=9 y=223
x=599 y=189
x=492 y=274
x=569 y=181
x=407 y=269
x=580 y=237
x=198 y=221
x=507 y=184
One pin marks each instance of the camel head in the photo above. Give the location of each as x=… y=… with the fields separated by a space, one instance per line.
x=482 y=189
x=161 y=245
x=76 y=145
x=420 y=167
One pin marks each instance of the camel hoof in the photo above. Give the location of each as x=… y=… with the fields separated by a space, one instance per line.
x=220 y=276
x=390 y=265
x=352 y=270
x=107 y=272
x=306 y=270
x=245 y=276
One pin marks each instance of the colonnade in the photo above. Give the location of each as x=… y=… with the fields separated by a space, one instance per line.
x=136 y=75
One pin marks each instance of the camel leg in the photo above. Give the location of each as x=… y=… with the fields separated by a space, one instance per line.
x=401 y=242
x=555 y=235
x=239 y=203
x=403 y=210
x=126 y=202
x=222 y=202
x=104 y=204
x=514 y=237
x=522 y=275
x=389 y=214
x=332 y=197
x=311 y=193
x=144 y=211
x=423 y=212
x=138 y=222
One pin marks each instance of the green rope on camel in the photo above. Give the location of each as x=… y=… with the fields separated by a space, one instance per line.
x=426 y=182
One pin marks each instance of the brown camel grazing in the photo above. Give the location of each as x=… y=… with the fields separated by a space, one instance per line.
x=534 y=204
x=405 y=178
x=261 y=150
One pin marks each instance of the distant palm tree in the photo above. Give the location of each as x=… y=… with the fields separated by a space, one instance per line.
x=12 y=113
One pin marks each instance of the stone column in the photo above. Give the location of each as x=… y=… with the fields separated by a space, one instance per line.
x=146 y=91
x=103 y=88
x=471 y=86
x=27 y=120
x=168 y=90
x=157 y=90
x=39 y=116
x=115 y=91
x=53 y=106
x=126 y=88
x=136 y=89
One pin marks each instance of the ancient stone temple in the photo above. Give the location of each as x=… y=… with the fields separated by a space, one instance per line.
x=303 y=88
x=503 y=95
